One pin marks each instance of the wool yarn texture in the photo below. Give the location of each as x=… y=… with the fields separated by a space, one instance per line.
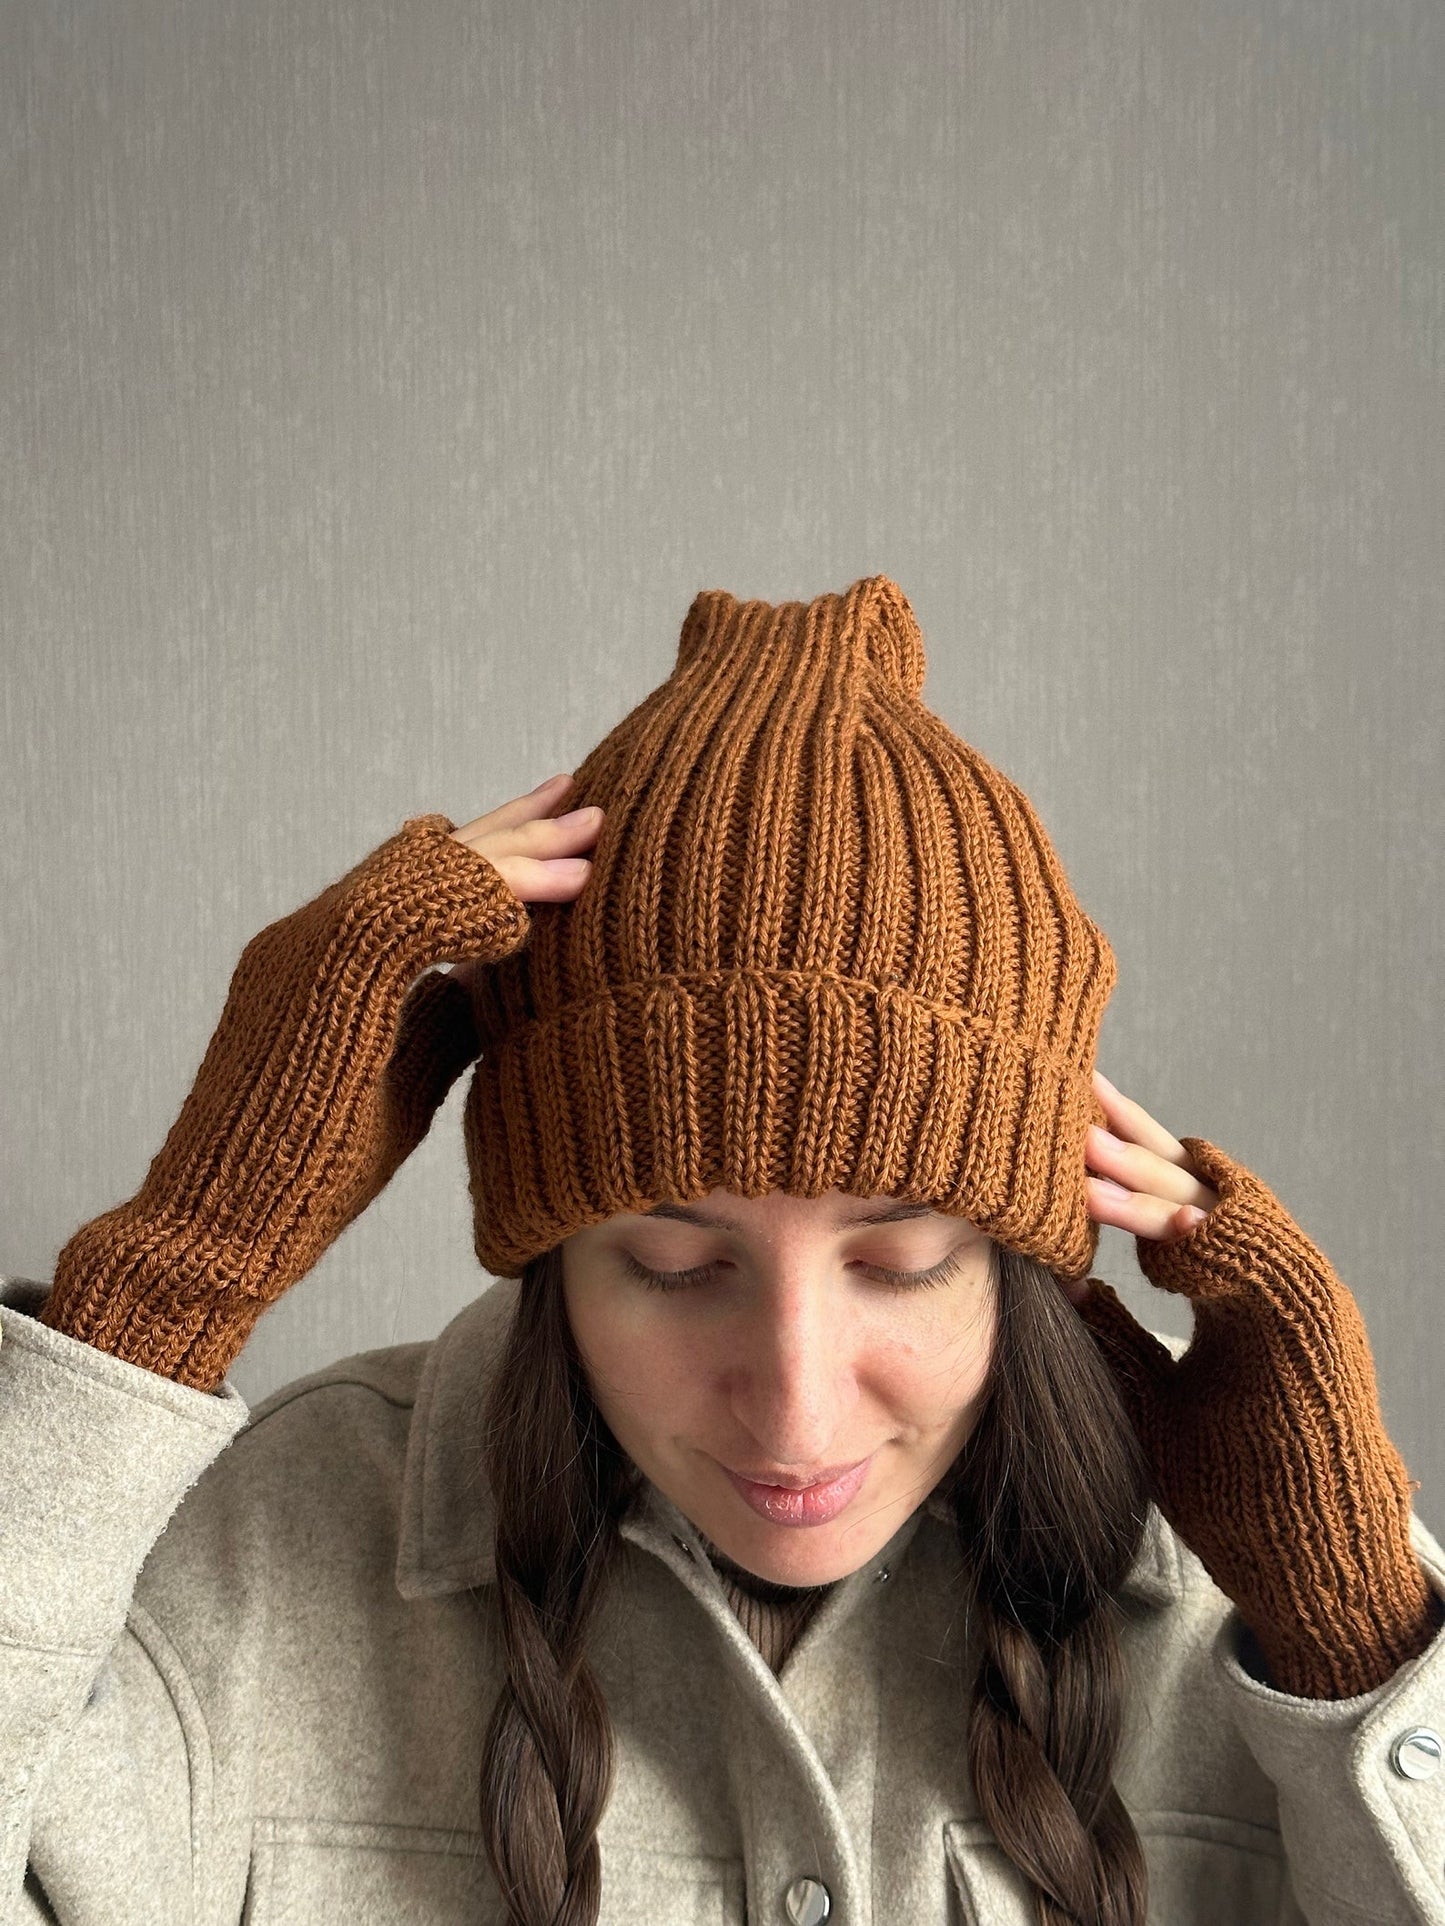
x=825 y=944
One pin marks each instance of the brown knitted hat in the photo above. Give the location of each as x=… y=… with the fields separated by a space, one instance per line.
x=824 y=944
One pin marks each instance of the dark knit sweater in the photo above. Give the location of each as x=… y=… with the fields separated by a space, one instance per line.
x=773 y=1616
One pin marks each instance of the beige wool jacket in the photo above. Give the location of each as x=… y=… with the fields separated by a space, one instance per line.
x=247 y=1657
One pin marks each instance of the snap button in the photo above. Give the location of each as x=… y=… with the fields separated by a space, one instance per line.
x=682 y=1545
x=808 y=1902
x=883 y=1574
x=1416 y=1754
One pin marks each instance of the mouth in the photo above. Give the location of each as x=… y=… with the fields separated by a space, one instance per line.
x=785 y=1498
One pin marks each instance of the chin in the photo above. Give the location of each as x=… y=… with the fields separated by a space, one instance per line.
x=789 y=1555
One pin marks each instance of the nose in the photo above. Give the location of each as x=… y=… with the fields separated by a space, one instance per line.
x=792 y=1381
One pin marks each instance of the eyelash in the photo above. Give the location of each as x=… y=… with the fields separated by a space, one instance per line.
x=896 y=1280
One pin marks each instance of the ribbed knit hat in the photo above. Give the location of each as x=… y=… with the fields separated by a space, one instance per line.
x=824 y=945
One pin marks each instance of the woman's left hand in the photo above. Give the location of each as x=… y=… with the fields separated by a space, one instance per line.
x=1139 y=1178
x=1274 y=1397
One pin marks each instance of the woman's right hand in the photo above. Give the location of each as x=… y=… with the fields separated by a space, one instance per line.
x=340 y=1037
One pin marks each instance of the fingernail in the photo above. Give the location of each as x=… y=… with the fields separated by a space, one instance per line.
x=1194 y=1215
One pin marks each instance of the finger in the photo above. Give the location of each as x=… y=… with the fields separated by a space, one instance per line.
x=1143 y=1170
x=542 y=838
x=552 y=835
x=534 y=880
x=541 y=801
x=1130 y=1120
x=1139 y=1212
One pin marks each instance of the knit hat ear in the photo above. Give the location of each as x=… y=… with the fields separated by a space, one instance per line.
x=824 y=945
x=874 y=618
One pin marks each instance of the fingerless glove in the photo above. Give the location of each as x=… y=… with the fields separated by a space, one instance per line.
x=1269 y=1453
x=324 y=1072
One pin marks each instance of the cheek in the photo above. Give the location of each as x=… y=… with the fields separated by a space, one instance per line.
x=635 y=1362
x=935 y=1369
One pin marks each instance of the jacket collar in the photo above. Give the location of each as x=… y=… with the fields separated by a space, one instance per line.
x=445 y=1536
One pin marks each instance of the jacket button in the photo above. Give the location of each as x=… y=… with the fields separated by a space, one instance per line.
x=1416 y=1754
x=808 y=1902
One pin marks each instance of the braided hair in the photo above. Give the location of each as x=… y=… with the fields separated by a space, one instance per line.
x=1050 y=1497
x=559 y=1485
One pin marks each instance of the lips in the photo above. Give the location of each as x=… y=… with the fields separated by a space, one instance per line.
x=790 y=1481
x=816 y=1502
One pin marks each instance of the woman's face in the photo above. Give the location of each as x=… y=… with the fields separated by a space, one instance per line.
x=810 y=1337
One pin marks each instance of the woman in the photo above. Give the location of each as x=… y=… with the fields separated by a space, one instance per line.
x=776 y=1541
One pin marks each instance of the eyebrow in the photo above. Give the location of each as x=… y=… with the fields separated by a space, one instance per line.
x=890 y=1214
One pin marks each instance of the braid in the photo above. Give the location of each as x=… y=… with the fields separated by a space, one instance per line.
x=559 y=1485
x=1051 y=1500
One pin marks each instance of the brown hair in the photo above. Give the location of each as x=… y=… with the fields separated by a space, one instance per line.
x=1051 y=1497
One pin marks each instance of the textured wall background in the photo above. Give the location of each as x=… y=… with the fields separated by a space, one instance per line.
x=381 y=381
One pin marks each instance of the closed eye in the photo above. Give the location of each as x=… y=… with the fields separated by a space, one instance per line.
x=699 y=1274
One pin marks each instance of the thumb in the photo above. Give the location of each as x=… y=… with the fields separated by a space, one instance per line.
x=436 y=1039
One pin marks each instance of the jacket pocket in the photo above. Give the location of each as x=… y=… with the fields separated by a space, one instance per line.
x=307 y=1870
x=1207 y=1871
x=304 y=1871
x=641 y=1887
x=1203 y=1871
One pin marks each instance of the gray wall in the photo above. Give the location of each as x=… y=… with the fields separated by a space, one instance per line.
x=382 y=381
